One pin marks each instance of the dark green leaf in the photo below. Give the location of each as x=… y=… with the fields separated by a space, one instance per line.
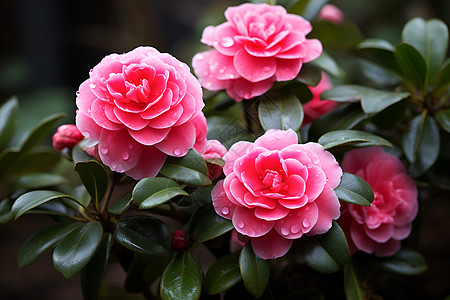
x=210 y=226
x=43 y=240
x=353 y=189
x=309 y=75
x=77 y=248
x=443 y=81
x=36 y=159
x=8 y=112
x=227 y=130
x=94 y=177
x=379 y=76
x=254 y=270
x=376 y=44
x=143 y=234
x=325 y=253
x=121 y=205
x=91 y=275
x=405 y=262
x=182 y=278
x=40 y=131
x=33 y=199
x=307 y=8
x=151 y=192
x=356 y=138
x=382 y=52
x=5 y=210
x=430 y=38
x=443 y=118
x=280 y=113
x=343 y=36
x=79 y=154
x=329 y=65
x=352 y=282
x=223 y=274
x=421 y=144
x=38 y=180
x=190 y=169
x=412 y=64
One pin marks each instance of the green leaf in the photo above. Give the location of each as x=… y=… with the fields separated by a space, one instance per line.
x=344 y=36
x=143 y=234
x=8 y=113
x=254 y=270
x=77 y=248
x=38 y=180
x=412 y=64
x=40 y=131
x=43 y=240
x=33 y=199
x=182 y=278
x=443 y=81
x=376 y=44
x=307 y=8
x=151 y=192
x=223 y=274
x=382 y=52
x=325 y=253
x=405 y=262
x=352 y=282
x=356 y=138
x=421 y=144
x=329 y=65
x=190 y=169
x=121 y=205
x=353 y=189
x=5 y=210
x=443 y=119
x=94 y=177
x=91 y=275
x=210 y=226
x=309 y=75
x=430 y=38
x=280 y=113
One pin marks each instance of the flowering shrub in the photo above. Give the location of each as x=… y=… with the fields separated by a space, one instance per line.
x=305 y=182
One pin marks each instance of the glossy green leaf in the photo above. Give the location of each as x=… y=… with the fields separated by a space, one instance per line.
x=325 y=253
x=254 y=270
x=76 y=249
x=94 y=177
x=91 y=275
x=38 y=180
x=280 y=113
x=405 y=262
x=382 y=52
x=223 y=274
x=443 y=81
x=421 y=144
x=33 y=199
x=143 y=234
x=430 y=38
x=182 y=278
x=8 y=113
x=43 y=240
x=329 y=65
x=40 y=131
x=379 y=76
x=190 y=169
x=443 y=119
x=412 y=64
x=5 y=210
x=355 y=138
x=227 y=130
x=353 y=189
x=79 y=154
x=343 y=36
x=376 y=44
x=151 y=192
x=307 y=8
x=309 y=75
x=37 y=159
x=120 y=206
x=210 y=226
x=352 y=282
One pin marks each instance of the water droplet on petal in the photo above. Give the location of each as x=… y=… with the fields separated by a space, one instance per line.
x=200 y=57
x=285 y=230
x=295 y=229
x=240 y=224
x=266 y=69
x=227 y=42
x=177 y=151
x=316 y=161
x=104 y=150
x=225 y=211
x=77 y=93
x=130 y=146
x=251 y=232
x=307 y=208
x=306 y=223
x=92 y=85
x=125 y=155
x=86 y=134
x=120 y=168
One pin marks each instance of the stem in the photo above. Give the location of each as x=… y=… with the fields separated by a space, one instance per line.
x=108 y=194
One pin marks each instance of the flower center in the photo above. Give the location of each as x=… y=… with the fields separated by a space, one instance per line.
x=273 y=181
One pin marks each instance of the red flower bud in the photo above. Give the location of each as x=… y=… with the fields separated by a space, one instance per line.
x=178 y=241
x=67 y=136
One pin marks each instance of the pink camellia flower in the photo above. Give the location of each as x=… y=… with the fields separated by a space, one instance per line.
x=276 y=190
x=258 y=45
x=140 y=106
x=315 y=107
x=214 y=149
x=331 y=13
x=66 y=136
x=379 y=228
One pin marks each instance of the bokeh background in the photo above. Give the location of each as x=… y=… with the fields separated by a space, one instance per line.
x=47 y=48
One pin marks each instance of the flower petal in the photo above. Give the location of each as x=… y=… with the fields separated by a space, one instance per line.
x=298 y=222
x=221 y=203
x=329 y=210
x=179 y=140
x=254 y=69
x=149 y=136
x=245 y=222
x=276 y=139
x=270 y=245
x=149 y=165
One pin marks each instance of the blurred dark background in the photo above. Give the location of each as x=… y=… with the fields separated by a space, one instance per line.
x=47 y=48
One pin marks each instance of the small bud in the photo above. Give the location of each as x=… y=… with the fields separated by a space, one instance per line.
x=66 y=136
x=178 y=241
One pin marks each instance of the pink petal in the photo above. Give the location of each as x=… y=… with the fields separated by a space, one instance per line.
x=381 y=234
x=236 y=151
x=402 y=232
x=188 y=107
x=149 y=165
x=294 y=167
x=99 y=116
x=201 y=64
x=387 y=249
x=276 y=139
x=179 y=140
x=221 y=204
x=298 y=23
x=360 y=239
x=166 y=119
x=277 y=213
x=149 y=136
x=287 y=69
x=314 y=48
x=159 y=107
x=221 y=66
x=298 y=222
x=329 y=210
x=87 y=126
x=130 y=120
x=315 y=183
x=254 y=69
x=243 y=89
x=245 y=222
x=263 y=202
x=224 y=39
x=109 y=112
x=270 y=245
x=85 y=97
x=237 y=190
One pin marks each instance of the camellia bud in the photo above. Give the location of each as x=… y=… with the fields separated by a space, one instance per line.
x=66 y=136
x=178 y=241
